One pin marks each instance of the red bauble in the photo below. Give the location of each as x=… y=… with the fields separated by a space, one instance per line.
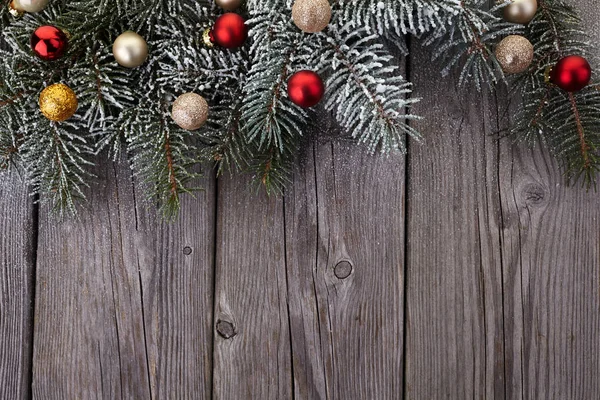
x=571 y=73
x=49 y=43
x=230 y=31
x=305 y=88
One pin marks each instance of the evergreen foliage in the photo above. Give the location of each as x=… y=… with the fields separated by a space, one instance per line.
x=253 y=126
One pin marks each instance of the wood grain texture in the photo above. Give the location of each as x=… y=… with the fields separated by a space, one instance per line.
x=252 y=354
x=17 y=255
x=345 y=261
x=551 y=248
x=455 y=343
x=122 y=311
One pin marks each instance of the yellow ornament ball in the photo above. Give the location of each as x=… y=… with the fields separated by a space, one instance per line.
x=58 y=102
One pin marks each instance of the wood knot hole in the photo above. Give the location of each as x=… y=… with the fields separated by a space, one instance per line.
x=187 y=250
x=534 y=193
x=342 y=270
x=225 y=329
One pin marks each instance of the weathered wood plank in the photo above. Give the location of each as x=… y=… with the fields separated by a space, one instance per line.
x=123 y=308
x=17 y=254
x=252 y=354
x=551 y=248
x=455 y=344
x=345 y=260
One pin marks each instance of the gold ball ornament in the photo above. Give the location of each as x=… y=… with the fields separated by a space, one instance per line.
x=311 y=15
x=190 y=111
x=30 y=6
x=515 y=54
x=520 y=11
x=229 y=5
x=130 y=49
x=58 y=102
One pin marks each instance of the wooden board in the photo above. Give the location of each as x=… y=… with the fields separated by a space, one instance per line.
x=345 y=263
x=551 y=252
x=454 y=296
x=123 y=303
x=17 y=272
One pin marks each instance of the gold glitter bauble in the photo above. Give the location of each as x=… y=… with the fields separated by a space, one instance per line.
x=130 y=49
x=58 y=102
x=311 y=15
x=520 y=11
x=515 y=54
x=229 y=5
x=190 y=111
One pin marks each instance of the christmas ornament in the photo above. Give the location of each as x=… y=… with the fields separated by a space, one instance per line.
x=13 y=10
x=229 y=5
x=49 y=43
x=515 y=54
x=305 y=88
x=311 y=15
x=571 y=73
x=30 y=6
x=230 y=31
x=520 y=11
x=58 y=102
x=190 y=111
x=130 y=49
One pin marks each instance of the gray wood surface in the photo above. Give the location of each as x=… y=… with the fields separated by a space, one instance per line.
x=467 y=269
x=17 y=274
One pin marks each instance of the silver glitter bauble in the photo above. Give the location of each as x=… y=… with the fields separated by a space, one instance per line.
x=130 y=49
x=515 y=54
x=311 y=15
x=520 y=11
x=30 y=6
x=190 y=111
x=229 y=5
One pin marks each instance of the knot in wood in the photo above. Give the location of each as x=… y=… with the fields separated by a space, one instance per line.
x=342 y=270
x=534 y=193
x=225 y=329
x=187 y=250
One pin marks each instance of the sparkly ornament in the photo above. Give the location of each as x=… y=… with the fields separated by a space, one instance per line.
x=230 y=31
x=229 y=5
x=30 y=6
x=520 y=11
x=305 y=88
x=571 y=73
x=190 y=111
x=58 y=102
x=311 y=15
x=130 y=49
x=515 y=54
x=49 y=43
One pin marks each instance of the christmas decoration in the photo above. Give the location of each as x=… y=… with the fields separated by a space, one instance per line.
x=49 y=43
x=229 y=5
x=311 y=15
x=190 y=111
x=571 y=73
x=229 y=31
x=520 y=11
x=58 y=102
x=515 y=54
x=30 y=6
x=257 y=122
x=305 y=88
x=13 y=10
x=130 y=49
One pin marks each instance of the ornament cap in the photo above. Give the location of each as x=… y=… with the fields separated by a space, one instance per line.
x=207 y=38
x=14 y=11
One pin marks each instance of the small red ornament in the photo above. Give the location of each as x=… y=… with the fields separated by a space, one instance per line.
x=571 y=73
x=305 y=88
x=49 y=43
x=230 y=31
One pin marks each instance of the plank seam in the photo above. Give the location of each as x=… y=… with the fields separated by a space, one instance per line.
x=214 y=284
x=35 y=233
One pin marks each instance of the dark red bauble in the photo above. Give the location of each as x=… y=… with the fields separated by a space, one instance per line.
x=49 y=43
x=571 y=73
x=230 y=31
x=305 y=88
